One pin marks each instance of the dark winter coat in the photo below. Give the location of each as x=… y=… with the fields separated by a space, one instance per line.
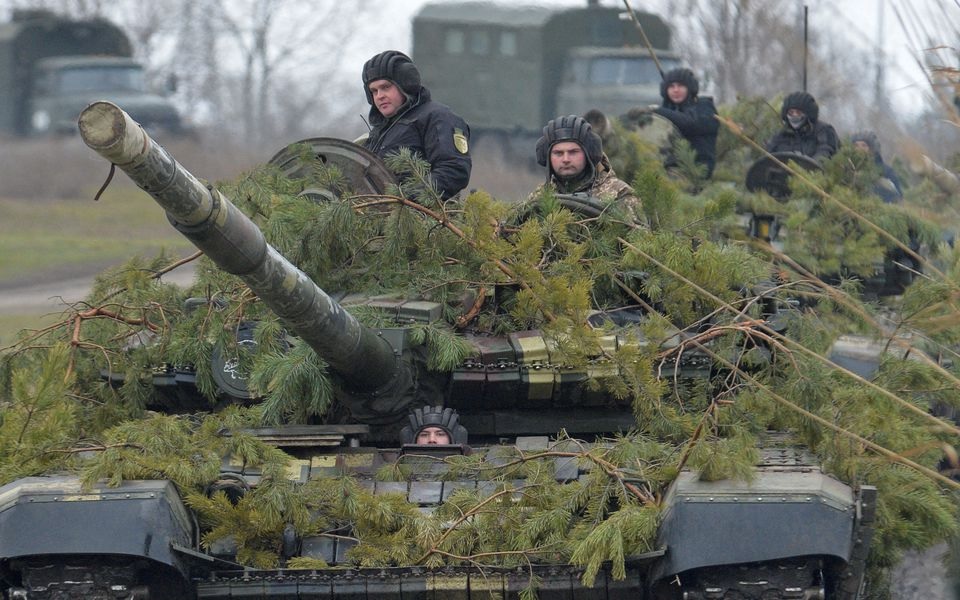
x=696 y=120
x=814 y=138
x=889 y=187
x=431 y=130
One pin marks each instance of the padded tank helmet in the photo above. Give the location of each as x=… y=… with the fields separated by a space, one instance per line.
x=680 y=75
x=395 y=66
x=570 y=129
x=802 y=101
x=446 y=419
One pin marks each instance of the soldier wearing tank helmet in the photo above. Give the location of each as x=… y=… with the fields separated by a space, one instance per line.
x=402 y=115
x=434 y=425
x=802 y=131
x=575 y=162
x=693 y=115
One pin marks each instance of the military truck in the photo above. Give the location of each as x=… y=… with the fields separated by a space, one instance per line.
x=511 y=68
x=51 y=67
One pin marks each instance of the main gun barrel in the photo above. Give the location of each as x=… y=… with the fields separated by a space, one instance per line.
x=230 y=239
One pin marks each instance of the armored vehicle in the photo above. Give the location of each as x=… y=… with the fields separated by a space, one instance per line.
x=784 y=529
x=51 y=67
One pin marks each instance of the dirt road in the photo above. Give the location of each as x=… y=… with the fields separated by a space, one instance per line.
x=54 y=294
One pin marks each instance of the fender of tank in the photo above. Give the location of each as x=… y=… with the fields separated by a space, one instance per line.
x=123 y=537
x=714 y=535
x=792 y=511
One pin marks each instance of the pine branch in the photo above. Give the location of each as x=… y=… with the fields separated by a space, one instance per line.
x=805 y=179
x=795 y=345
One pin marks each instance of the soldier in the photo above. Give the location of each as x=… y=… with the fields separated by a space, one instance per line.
x=694 y=117
x=433 y=425
x=402 y=115
x=888 y=187
x=575 y=162
x=802 y=131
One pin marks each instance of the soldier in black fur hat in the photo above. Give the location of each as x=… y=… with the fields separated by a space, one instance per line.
x=802 y=131
x=402 y=115
x=694 y=116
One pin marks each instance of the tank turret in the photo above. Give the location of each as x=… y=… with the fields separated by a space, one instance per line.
x=500 y=390
x=373 y=367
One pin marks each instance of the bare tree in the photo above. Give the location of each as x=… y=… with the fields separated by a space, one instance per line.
x=755 y=48
x=288 y=55
x=743 y=47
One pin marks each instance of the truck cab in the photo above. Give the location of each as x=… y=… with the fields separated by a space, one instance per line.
x=510 y=68
x=612 y=79
x=65 y=85
x=52 y=67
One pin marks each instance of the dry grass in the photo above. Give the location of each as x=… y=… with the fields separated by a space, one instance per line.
x=63 y=168
x=40 y=239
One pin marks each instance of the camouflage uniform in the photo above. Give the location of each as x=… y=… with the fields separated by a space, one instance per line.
x=605 y=186
x=597 y=179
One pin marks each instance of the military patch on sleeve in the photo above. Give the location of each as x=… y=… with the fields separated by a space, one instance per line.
x=460 y=141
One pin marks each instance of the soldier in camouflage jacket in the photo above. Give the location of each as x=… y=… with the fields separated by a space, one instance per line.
x=576 y=164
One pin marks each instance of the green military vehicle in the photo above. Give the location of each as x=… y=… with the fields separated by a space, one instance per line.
x=789 y=530
x=510 y=68
x=51 y=67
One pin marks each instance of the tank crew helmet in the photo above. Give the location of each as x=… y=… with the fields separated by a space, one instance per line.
x=446 y=419
x=395 y=66
x=569 y=129
x=683 y=76
x=803 y=102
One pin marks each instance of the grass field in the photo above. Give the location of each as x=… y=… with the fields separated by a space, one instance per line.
x=52 y=231
x=43 y=241
x=80 y=235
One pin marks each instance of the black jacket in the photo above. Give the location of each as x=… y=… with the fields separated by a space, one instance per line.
x=696 y=120
x=892 y=192
x=431 y=130
x=888 y=187
x=816 y=139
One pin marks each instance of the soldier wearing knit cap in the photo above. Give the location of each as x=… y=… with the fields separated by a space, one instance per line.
x=402 y=115
x=888 y=186
x=802 y=131
x=694 y=116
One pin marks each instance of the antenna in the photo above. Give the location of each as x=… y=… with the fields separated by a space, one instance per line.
x=643 y=34
x=878 y=96
x=804 y=47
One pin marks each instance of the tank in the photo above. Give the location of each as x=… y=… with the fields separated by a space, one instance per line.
x=785 y=529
